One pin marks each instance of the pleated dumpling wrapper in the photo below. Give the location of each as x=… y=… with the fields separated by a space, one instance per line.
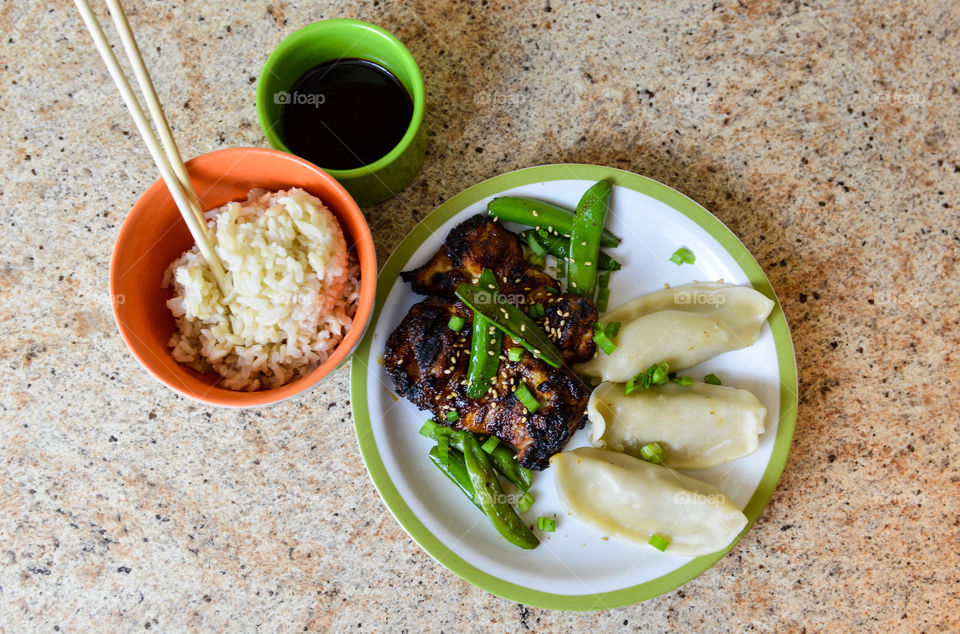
x=634 y=499
x=682 y=326
x=698 y=425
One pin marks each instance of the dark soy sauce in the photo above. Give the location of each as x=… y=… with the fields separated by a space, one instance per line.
x=345 y=113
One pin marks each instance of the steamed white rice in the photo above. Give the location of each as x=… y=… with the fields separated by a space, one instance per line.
x=292 y=291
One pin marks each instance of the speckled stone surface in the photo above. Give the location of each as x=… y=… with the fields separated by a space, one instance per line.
x=825 y=136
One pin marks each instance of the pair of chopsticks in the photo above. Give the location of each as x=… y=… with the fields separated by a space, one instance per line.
x=166 y=157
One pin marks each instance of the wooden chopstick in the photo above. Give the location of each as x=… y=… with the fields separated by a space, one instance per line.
x=167 y=158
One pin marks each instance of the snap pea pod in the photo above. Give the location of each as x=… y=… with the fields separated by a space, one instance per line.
x=559 y=246
x=485 y=346
x=540 y=214
x=486 y=487
x=510 y=320
x=503 y=459
x=456 y=470
x=585 y=240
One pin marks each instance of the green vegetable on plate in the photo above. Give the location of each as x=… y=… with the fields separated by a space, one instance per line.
x=540 y=215
x=485 y=346
x=510 y=320
x=490 y=495
x=585 y=240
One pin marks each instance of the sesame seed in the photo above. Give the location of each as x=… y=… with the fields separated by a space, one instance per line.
x=535 y=213
x=584 y=243
x=490 y=352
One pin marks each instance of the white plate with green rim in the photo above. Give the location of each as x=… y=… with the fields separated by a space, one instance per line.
x=576 y=567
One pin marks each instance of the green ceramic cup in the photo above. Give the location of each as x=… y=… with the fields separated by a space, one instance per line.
x=342 y=38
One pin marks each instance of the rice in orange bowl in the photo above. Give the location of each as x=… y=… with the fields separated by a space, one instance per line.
x=291 y=292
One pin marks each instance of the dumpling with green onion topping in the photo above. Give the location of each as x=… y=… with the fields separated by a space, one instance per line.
x=698 y=425
x=634 y=499
x=681 y=326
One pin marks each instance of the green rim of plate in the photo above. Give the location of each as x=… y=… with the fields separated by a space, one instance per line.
x=411 y=523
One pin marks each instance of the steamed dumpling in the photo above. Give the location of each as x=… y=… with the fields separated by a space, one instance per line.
x=698 y=425
x=634 y=499
x=683 y=326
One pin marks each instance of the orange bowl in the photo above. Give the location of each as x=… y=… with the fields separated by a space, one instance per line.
x=154 y=235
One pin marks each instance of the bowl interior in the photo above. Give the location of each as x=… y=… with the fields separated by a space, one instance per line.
x=154 y=234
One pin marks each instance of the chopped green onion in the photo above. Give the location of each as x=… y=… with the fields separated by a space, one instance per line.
x=537 y=311
x=537 y=261
x=603 y=279
x=612 y=329
x=515 y=353
x=547 y=524
x=712 y=379
x=525 y=502
x=683 y=256
x=561 y=267
x=443 y=448
x=452 y=416
x=528 y=400
x=656 y=374
x=653 y=452
x=535 y=246
x=551 y=289
x=682 y=380
x=429 y=428
x=659 y=542
x=603 y=299
x=456 y=323
x=490 y=444
x=603 y=342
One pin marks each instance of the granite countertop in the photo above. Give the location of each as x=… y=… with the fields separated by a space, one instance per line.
x=823 y=134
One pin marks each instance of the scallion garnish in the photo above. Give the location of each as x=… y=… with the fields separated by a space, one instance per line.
x=515 y=353
x=653 y=452
x=525 y=502
x=534 y=243
x=656 y=374
x=452 y=416
x=603 y=299
x=547 y=524
x=612 y=329
x=683 y=256
x=443 y=448
x=659 y=542
x=525 y=397
x=490 y=444
x=456 y=323
x=551 y=289
x=536 y=311
x=712 y=379
x=603 y=342
x=429 y=428
x=682 y=380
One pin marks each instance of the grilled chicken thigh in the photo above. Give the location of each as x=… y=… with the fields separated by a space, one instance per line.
x=428 y=362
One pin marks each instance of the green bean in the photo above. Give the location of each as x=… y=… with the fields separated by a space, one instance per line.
x=493 y=501
x=585 y=240
x=485 y=346
x=456 y=469
x=503 y=458
x=559 y=246
x=510 y=320
x=539 y=214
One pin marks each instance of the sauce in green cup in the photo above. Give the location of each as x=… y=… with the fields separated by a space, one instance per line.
x=329 y=40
